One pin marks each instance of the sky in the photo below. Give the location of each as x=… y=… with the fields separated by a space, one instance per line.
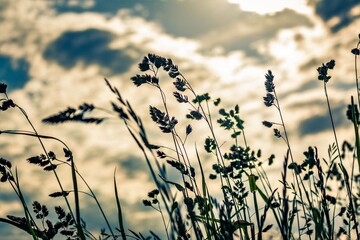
x=55 y=54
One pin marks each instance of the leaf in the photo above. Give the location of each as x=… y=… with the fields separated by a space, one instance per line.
x=192 y=171
x=252 y=183
x=138 y=80
x=144 y=65
x=3 y=87
x=178 y=186
x=5 y=162
x=209 y=144
x=154 y=235
x=120 y=111
x=236 y=108
x=241 y=224
x=267 y=124
x=223 y=112
x=201 y=98
x=59 y=194
x=277 y=133
x=6 y=104
x=267 y=228
x=74 y=115
x=188 y=129
x=181 y=98
x=188 y=186
x=180 y=84
x=355 y=51
x=196 y=114
x=174 y=206
x=50 y=167
x=135 y=234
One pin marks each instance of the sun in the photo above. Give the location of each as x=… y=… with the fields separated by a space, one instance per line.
x=264 y=7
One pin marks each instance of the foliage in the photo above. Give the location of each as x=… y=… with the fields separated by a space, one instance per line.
x=319 y=198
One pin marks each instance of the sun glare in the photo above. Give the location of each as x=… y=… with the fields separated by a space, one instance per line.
x=270 y=7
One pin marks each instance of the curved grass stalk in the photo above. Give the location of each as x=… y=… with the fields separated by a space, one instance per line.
x=81 y=233
x=31 y=134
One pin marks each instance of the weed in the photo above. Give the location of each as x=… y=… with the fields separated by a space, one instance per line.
x=319 y=199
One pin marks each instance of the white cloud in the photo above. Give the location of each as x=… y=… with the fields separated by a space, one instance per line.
x=271 y=7
x=80 y=3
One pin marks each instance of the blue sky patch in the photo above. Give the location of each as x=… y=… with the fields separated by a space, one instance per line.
x=328 y=9
x=14 y=72
x=320 y=123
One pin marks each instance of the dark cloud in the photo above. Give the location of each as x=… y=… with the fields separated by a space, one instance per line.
x=344 y=21
x=89 y=46
x=332 y=8
x=328 y=9
x=3 y=6
x=221 y=25
x=7 y=231
x=101 y=6
x=181 y=18
x=8 y=196
x=14 y=72
x=320 y=123
x=310 y=65
x=309 y=85
x=133 y=165
x=188 y=18
x=10 y=233
x=250 y=28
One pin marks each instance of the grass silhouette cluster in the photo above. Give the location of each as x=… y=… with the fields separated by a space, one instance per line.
x=318 y=198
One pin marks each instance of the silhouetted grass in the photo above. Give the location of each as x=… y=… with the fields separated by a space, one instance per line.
x=319 y=198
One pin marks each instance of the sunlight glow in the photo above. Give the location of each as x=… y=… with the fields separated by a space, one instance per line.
x=270 y=7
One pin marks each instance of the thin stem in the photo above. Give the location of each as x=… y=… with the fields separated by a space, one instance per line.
x=356 y=75
x=292 y=160
x=332 y=121
x=346 y=177
x=219 y=157
x=162 y=217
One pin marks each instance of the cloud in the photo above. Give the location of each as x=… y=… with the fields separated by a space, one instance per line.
x=188 y=18
x=271 y=7
x=133 y=166
x=179 y=18
x=328 y=9
x=8 y=196
x=79 y=3
x=320 y=123
x=90 y=46
x=245 y=33
x=10 y=233
x=78 y=6
x=338 y=12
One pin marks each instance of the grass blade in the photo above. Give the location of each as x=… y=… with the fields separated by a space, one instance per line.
x=120 y=219
x=77 y=203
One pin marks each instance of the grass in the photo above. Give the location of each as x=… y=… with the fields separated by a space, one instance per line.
x=317 y=198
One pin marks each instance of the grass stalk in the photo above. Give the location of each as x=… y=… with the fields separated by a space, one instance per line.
x=119 y=210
